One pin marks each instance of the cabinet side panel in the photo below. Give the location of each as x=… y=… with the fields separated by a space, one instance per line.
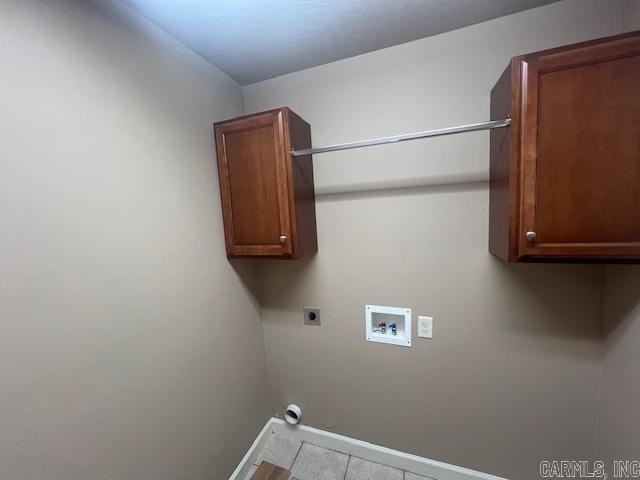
x=500 y=160
x=223 y=176
x=303 y=189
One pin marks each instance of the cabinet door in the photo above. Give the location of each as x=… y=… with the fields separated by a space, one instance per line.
x=253 y=184
x=581 y=152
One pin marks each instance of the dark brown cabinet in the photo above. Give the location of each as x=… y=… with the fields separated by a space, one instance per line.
x=267 y=194
x=565 y=176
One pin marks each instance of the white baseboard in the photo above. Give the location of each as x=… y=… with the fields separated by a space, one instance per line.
x=358 y=448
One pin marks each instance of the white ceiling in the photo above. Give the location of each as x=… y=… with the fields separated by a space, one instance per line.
x=252 y=40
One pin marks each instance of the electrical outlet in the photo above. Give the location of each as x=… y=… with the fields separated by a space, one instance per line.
x=425 y=327
x=311 y=316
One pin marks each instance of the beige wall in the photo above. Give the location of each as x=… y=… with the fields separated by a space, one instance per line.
x=630 y=19
x=511 y=376
x=618 y=430
x=129 y=347
x=619 y=409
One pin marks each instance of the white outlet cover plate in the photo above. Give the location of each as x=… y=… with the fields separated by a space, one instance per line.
x=425 y=327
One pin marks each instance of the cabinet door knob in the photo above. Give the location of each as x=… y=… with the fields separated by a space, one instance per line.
x=283 y=238
x=530 y=236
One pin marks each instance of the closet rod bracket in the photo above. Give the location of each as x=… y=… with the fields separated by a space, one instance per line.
x=473 y=127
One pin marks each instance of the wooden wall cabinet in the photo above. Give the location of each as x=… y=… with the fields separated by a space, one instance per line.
x=565 y=176
x=268 y=200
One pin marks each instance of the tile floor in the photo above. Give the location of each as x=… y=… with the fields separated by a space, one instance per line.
x=311 y=462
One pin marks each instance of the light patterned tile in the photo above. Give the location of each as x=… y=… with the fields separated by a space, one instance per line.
x=280 y=449
x=317 y=463
x=360 y=469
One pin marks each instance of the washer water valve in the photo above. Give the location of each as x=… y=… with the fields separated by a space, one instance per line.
x=382 y=328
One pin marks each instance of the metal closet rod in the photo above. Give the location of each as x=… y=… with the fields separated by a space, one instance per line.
x=407 y=136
